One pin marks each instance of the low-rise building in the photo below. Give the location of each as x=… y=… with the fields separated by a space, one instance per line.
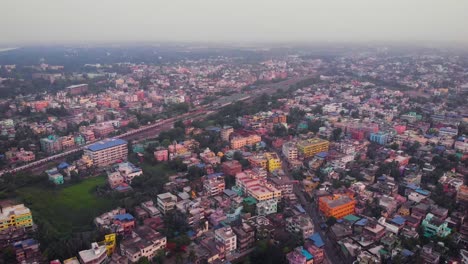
x=245 y=236
x=434 y=226
x=337 y=205
x=97 y=254
x=301 y=225
x=15 y=216
x=214 y=185
x=226 y=237
x=144 y=242
x=166 y=202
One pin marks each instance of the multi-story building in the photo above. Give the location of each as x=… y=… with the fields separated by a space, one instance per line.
x=226 y=131
x=245 y=236
x=274 y=162
x=144 y=242
x=301 y=225
x=258 y=161
x=25 y=156
x=67 y=141
x=15 y=216
x=379 y=137
x=103 y=129
x=259 y=189
x=166 y=202
x=267 y=207
x=214 y=185
x=51 y=144
x=161 y=155
x=241 y=141
x=107 y=152
x=290 y=151
x=315 y=251
x=97 y=254
x=434 y=226
x=77 y=89
x=231 y=168
x=337 y=205
x=149 y=207
x=462 y=194
x=308 y=148
x=226 y=237
x=284 y=185
x=27 y=251
x=296 y=257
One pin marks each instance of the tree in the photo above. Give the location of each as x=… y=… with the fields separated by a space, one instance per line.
x=331 y=221
x=336 y=134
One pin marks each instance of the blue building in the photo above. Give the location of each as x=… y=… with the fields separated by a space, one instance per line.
x=379 y=137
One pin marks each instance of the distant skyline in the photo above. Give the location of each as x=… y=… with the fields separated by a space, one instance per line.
x=237 y=21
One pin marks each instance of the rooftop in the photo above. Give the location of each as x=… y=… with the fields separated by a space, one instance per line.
x=106 y=143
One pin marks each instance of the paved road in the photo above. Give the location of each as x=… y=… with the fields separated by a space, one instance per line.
x=331 y=252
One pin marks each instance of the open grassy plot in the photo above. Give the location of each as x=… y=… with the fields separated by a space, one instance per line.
x=68 y=209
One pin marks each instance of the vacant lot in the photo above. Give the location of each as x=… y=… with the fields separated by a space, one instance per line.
x=68 y=209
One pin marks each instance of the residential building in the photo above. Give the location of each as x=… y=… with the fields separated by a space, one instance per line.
x=55 y=176
x=284 y=185
x=144 y=242
x=241 y=141
x=267 y=207
x=67 y=141
x=51 y=144
x=245 y=236
x=379 y=137
x=214 y=185
x=77 y=89
x=27 y=251
x=107 y=152
x=150 y=208
x=308 y=148
x=15 y=216
x=96 y=255
x=434 y=226
x=317 y=252
x=337 y=205
x=226 y=237
x=123 y=223
x=290 y=151
x=166 y=202
x=231 y=168
x=296 y=257
x=274 y=162
x=301 y=225
x=226 y=131
x=161 y=155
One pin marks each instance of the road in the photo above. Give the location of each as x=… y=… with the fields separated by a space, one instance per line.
x=331 y=252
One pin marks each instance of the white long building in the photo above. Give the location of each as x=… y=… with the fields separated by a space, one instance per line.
x=107 y=151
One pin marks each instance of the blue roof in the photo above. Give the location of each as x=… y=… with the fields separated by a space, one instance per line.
x=63 y=165
x=106 y=143
x=300 y=209
x=214 y=175
x=306 y=254
x=322 y=154
x=398 y=220
x=361 y=222
x=412 y=186
x=423 y=192
x=317 y=239
x=123 y=217
x=407 y=253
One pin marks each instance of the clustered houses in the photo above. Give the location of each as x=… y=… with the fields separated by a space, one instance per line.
x=372 y=167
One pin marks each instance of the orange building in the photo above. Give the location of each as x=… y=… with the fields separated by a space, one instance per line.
x=337 y=205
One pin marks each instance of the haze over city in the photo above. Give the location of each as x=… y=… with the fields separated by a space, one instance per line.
x=117 y=21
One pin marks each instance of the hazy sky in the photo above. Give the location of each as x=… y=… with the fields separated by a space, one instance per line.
x=87 y=21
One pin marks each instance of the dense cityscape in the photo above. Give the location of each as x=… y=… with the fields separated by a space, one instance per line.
x=233 y=155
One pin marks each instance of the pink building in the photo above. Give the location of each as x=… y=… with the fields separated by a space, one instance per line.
x=400 y=129
x=296 y=257
x=125 y=223
x=161 y=155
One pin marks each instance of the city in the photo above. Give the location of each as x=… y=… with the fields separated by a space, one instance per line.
x=233 y=153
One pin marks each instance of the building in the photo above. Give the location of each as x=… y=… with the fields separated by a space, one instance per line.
x=103 y=129
x=379 y=137
x=67 y=141
x=267 y=207
x=231 y=168
x=149 y=207
x=290 y=151
x=166 y=202
x=97 y=254
x=337 y=205
x=51 y=144
x=284 y=185
x=245 y=236
x=308 y=148
x=226 y=237
x=241 y=141
x=55 y=176
x=144 y=242
x=107 y=152
x=462 y=195
x=161 y=155
x=317 y=252
x=27 y=251
x=123 y=223
x=214 y=185
x=301 y=225
x=259 y=189
x=434 y=226
x=226 y=131
x=274 y=162
x=77 y=89
x=15 y=216
x=296 y=257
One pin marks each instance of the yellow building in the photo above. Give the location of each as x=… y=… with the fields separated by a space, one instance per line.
x=274 y=162
x=239 y=142
x=15 y=216
x=308 y=148
x=337 y=205
x=258 y=161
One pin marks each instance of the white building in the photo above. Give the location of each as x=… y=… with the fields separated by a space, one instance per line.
x=166 y=202
x=226 y=236
x=290 y=150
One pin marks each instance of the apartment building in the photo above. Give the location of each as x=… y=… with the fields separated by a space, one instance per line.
x=274 y=162
x=227 y=238
x=259 y=189
x=67 y=141
x=241 y=141
x=231 y=167
x=166 y=202
x=15 y=216
x=308 y=148
x=97 y=254
x=337 y=205
x=144 y=242
x=301 y=225
x=51 y=144
x=290 y=151
x=226 y=131
x=107 y=152
x=245 y=236
x=214 y=185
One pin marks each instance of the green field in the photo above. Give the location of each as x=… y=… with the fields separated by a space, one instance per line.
x=68 y=209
